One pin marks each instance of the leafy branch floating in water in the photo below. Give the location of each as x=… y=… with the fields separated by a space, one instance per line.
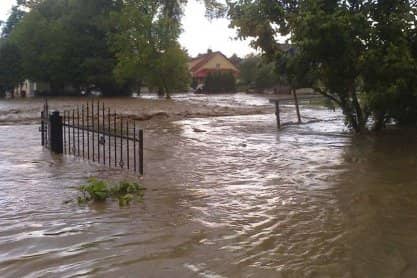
x=99 y=191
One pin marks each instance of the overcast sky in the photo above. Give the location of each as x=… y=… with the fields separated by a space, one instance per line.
x=199 y=33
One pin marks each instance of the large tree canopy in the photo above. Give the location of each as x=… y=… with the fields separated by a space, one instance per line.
x=65 y=43
x=358 y=53
x=146 y=45
x=10 y=66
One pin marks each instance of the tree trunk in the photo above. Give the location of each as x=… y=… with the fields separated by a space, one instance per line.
x=161 y=92
x=167 y=92
x=346 y=106
x=358 y=111
x=379 y=121
x=353 y=122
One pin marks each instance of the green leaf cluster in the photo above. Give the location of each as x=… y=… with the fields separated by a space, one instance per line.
x=11 y=72
x=99 y=191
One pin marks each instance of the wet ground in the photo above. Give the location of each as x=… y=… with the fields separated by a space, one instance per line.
x=147 y=107
x=239 y=200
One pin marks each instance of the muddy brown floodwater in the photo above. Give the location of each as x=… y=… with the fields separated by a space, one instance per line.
x=239 y=200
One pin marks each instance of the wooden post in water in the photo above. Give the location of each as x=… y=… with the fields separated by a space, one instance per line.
x=294 y=91
x=277 y=114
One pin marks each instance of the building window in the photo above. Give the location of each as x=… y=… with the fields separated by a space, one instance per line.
x=217 y=66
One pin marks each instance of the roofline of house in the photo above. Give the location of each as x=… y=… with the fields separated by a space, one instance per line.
x=205 y=59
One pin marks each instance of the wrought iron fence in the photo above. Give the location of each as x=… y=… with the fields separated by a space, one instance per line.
x=94 y=132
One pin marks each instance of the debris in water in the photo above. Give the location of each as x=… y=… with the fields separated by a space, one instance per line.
x=198 y=130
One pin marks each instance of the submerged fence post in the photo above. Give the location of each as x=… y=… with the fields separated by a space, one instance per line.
x=277 y=114
x=297 y=108
x=42 y=129
x=141 y=152
x=56 y=139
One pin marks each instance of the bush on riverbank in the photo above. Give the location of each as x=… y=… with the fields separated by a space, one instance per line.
x=99 y=191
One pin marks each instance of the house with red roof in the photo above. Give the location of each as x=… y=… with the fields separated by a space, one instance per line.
x=204 y=64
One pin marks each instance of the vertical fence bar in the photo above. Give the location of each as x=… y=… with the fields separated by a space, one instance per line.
x=43 y=124
x=115 y=141
x=88 y=132
x=134 y=147
x=103 y=135
x=83 y=123
x=109 y=131
x=69 y=131
x=98 y=131
x=78 y=130
x=127 y=144
x=65 y=136
x=42 y=129
x=141 y=152
x=46 y=115
x=121 y=143
x=73 y=132
x=92 y=124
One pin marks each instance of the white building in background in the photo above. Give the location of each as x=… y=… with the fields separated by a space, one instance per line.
x=29 y=88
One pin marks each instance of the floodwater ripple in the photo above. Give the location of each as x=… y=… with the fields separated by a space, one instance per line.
x=239 y=200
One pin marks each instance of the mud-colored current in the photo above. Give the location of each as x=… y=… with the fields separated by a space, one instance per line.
x=239 y=200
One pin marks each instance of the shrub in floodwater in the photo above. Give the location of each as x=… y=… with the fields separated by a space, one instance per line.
x=99 y=191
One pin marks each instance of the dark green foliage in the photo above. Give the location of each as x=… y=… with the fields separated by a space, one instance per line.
x=389 y=78
x=258 y=73
x=11 y=73
x=65 y=43
x=99 y=191
x=266 y=77
x=359 y=54
x=146 y=46
x=220 y=82
x=248 y=68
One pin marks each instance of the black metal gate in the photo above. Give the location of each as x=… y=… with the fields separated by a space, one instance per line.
x=93 y=132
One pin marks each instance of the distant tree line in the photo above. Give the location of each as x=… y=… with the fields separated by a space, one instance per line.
x=113 y=46
x=360 y=54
